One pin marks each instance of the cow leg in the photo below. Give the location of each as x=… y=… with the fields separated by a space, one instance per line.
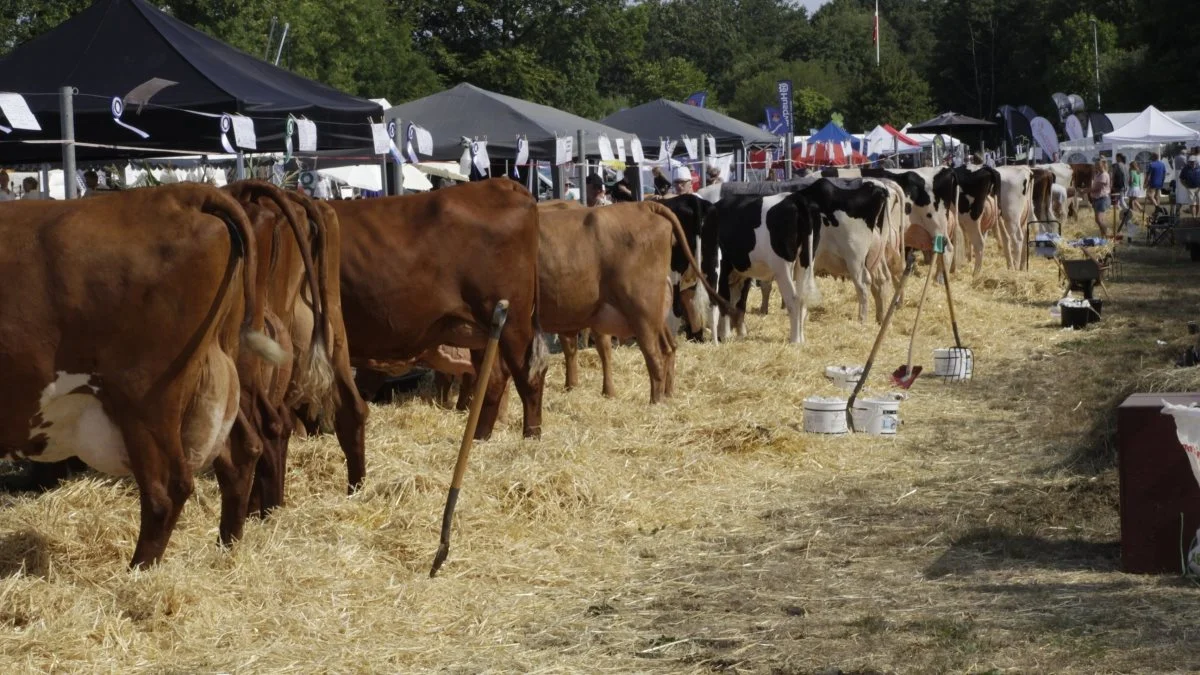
x=523 y=354
x=765 y=307
x=466 y=388
x=647 y=339
x=720 y=320
x=668 y=347
x=604 y=349
x=570 y=348
x=235 y=469
x=797 y=311
x=442 y=384
x=743 y=299
x=881 y=287
x=350 y=423
x=164 y=479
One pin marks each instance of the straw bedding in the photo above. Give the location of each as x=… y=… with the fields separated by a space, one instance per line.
x=706 y=534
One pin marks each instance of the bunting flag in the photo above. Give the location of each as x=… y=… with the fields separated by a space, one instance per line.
x=522 y=156
x=118 y=109
x=226 y=127
x=393 y=150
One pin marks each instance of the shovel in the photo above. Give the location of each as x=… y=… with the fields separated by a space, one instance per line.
x=909 y=264
x=905 y=375
x=499 y=316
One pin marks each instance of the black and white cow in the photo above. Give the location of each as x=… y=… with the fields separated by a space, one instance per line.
x=868 y=249
x=976 y=185
x=762 y=237
x=689 y=309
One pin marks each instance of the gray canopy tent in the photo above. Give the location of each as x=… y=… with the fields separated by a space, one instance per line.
x=479 y=114
x=669 y=119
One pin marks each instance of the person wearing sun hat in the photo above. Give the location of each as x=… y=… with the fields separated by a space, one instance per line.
x=681 y=180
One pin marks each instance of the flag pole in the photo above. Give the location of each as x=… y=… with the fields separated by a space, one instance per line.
x=876 y=33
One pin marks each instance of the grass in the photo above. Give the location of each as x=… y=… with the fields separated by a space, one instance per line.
x=708 y=534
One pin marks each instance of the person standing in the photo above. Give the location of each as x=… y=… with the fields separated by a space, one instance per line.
x=1120 y=188
x=681 y=180
x=595 y=191
x=1137 y=188
x=1189 y=179
x=30 y=185
x=1156 y=177
x=6 y=194
x=1100 y=194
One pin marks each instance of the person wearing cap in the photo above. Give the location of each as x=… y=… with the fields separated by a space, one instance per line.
x=662 y=186
x=595 y=191
x=714 y=175
x=1189 y=177
x=681 y=180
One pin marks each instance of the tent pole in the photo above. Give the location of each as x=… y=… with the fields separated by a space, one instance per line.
x=583 y=167
x=702 y=152
x=787 y=155
x=241 y=165
x=66 y=104
x=640 y=187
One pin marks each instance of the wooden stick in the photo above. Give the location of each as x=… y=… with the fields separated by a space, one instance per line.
x=909 y=264
x=912 y=340
x=499 y=316
x=949 y=300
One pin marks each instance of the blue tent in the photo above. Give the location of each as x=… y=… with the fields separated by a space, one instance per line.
x=833 y=134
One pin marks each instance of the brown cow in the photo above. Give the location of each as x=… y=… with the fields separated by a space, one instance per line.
x=285 y=246
x=608 y=269
x=1043 y=181
x=120 y=346
x=347 y=406
x=424 y=270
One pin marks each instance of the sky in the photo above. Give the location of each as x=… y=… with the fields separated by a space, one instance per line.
x=812 y=5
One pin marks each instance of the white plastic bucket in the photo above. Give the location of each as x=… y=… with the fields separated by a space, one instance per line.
x=825 y=415
x=844 y=377
x=953 y=364
x=877 y=416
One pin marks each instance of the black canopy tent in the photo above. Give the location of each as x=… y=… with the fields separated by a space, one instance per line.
x=949 y=123
x=114 y=46
x=668 y=119
x=468 y=111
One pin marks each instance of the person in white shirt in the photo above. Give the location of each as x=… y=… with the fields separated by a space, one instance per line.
x=31 y=189
x=6 y=194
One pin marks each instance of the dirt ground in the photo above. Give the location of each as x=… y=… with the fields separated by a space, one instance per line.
x=707 y=534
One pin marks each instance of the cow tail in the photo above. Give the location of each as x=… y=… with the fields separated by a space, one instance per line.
x=681 y=237
x=241 y=233
x=323 y=395
x=318 y=375
x=539 y=353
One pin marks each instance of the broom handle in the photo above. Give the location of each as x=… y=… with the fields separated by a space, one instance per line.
x=949 y=299
x=887 y=319
x=912 y=340
x=499 y=316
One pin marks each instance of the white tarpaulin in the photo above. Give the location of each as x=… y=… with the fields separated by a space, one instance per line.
x=1152 y=126
x=1187 y=430
x=369 y=177
x=882 y=142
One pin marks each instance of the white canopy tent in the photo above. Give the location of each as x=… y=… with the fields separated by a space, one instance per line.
x=369 y=177
x=881 y=141
x=1151 y=126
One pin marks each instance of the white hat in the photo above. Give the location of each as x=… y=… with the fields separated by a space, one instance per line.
x=681 y=173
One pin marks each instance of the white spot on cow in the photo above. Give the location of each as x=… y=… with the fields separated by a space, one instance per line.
x=71 y=422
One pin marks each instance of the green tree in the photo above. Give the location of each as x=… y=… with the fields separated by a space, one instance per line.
x=1072 y=66
x=817 y=90
x=353 y=45
x=20 y=21
x=893 y=94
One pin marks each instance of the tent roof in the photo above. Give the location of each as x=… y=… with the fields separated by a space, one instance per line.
x=663 y=118
x=832 y=132
x=467 y=110
x=884 y=139
x=1151 y=126
x=951 y=121
x=113 y=46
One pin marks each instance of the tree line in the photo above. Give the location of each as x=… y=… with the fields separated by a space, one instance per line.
x=594 y=57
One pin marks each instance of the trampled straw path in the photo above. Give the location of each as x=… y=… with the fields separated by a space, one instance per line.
x=707 y=534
